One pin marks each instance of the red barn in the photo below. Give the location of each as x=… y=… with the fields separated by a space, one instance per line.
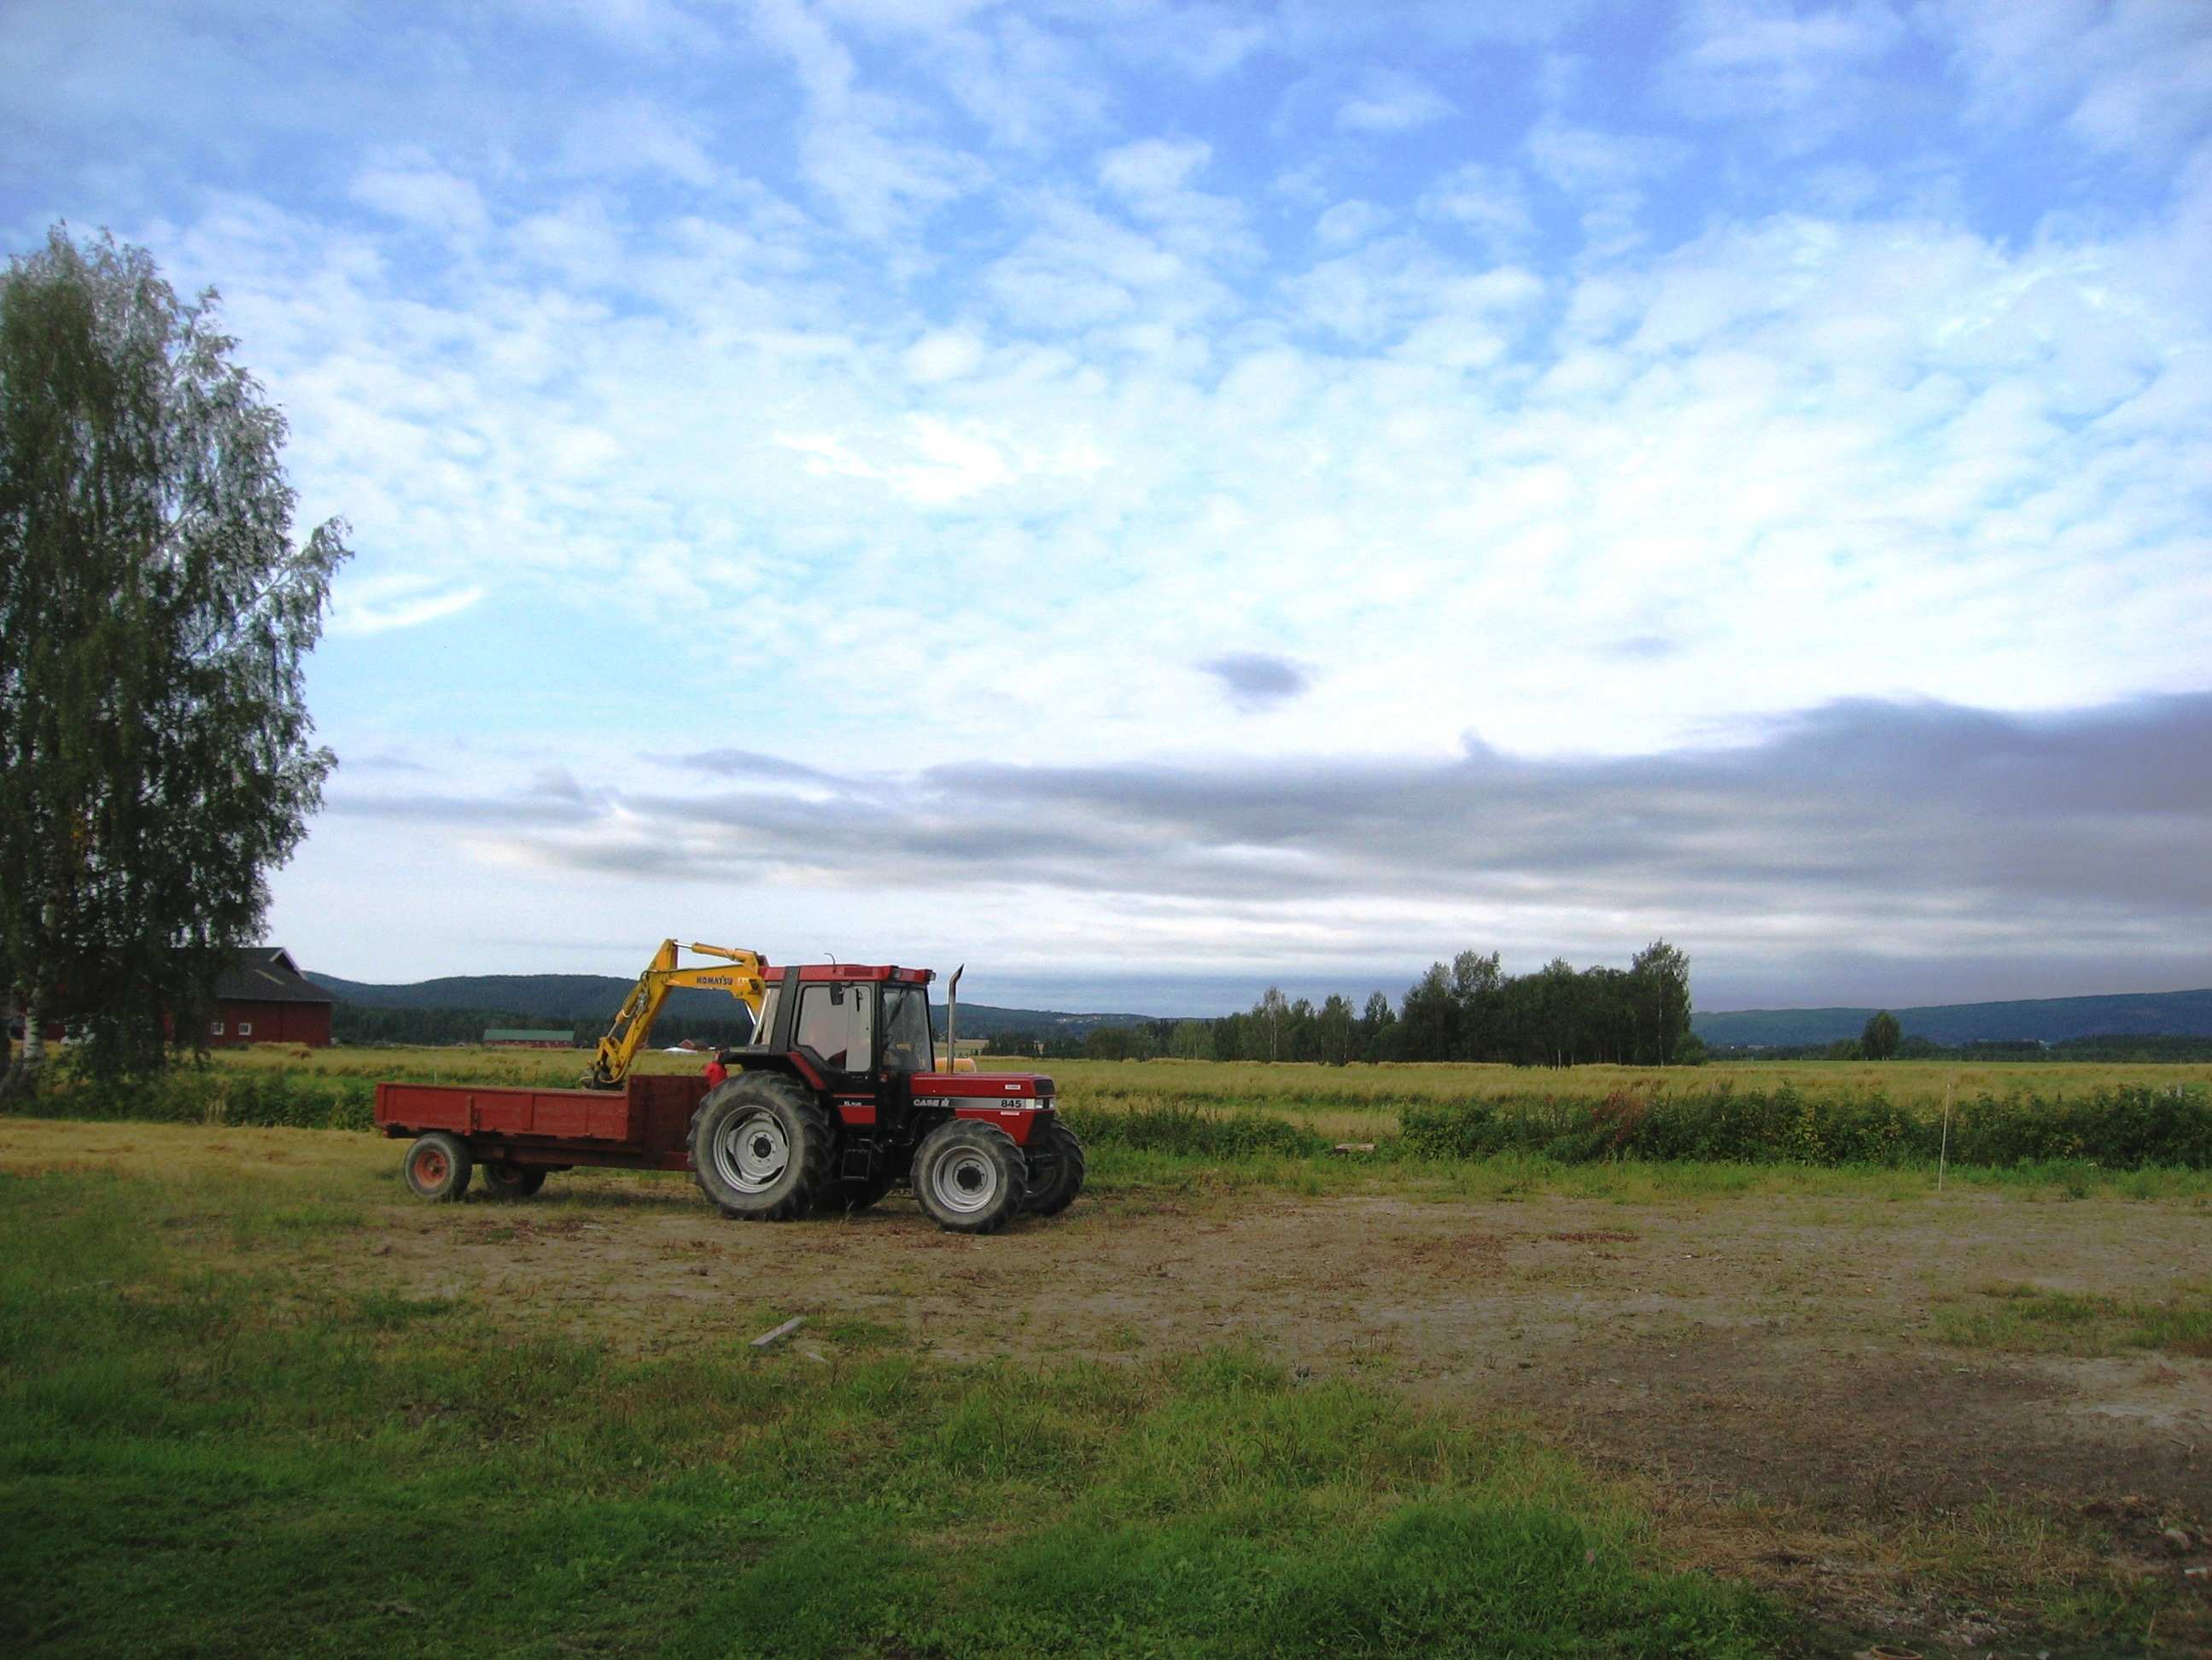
x=263 y=998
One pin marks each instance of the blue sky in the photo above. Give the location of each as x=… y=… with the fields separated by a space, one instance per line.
x=1154 y=499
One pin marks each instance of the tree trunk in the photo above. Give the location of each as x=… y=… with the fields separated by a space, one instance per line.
x=21 y=1081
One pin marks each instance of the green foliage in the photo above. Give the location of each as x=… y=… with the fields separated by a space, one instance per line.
x=215 y=1094
x=1474 y=1010
x=1185 y=1129
x=155 y=615
x=202 y=1461
x=1882 y=1035
x=2120 y=1128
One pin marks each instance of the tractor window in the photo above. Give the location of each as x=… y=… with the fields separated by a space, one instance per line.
x=834 y=1022
x=764 y=1022
x=906 y=1029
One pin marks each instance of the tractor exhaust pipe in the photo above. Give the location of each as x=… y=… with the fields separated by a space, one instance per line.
x=952 y=1019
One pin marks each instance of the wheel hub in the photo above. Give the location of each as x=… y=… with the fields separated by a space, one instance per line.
x=752 y=1153
x=964 y=1183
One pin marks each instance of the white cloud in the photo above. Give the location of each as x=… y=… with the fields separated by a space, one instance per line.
x=2127 y=75
x=1606 y=174
x=1347 y=222
x=378 y=604
x=1803 y=72
x=943 y=354
x=1152 y=167
x=1490 y=202
x=636 y=135
x=422 y=195
x=1388 y=102
x=866 y=151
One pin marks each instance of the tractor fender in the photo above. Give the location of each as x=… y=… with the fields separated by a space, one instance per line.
x=788 y=1063
x=1021 y=1122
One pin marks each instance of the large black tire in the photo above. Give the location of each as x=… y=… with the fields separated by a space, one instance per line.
x=504 y=1181
x=1056 y=1169
x=437 y=1167
x=852 y=1193
x=761 y=1148
x=969 y=1177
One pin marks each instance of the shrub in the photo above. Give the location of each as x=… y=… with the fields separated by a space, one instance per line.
x=220 y=1095
x=2127 y=1127
x=1178 y=1128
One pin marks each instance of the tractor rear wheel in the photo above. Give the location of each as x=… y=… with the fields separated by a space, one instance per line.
x=1056 y=1169
x=505 y=1180
x=761 y=1148
x=969 y=1177
x=437 y=1167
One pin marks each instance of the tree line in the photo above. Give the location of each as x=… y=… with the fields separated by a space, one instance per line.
x=360 y=1023
x=1469 y=1010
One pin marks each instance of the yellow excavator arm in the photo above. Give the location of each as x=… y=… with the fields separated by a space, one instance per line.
x=738 y=974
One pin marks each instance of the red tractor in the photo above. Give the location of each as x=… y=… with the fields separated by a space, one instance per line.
x=835 y=1101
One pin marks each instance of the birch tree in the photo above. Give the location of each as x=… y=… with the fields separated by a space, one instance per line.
x=156 y=760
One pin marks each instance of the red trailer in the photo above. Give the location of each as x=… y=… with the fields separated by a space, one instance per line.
x=641 y=1126
x=832 y=1104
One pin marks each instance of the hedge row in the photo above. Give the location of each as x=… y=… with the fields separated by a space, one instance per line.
x=216 y=1095
x=2120 y=1128
x=2124 y=1128
x=1237 y=1136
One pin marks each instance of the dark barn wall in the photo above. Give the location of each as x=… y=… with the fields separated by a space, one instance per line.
x=273 y=1023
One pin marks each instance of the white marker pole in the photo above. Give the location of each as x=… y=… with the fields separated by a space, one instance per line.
x=1943 y=1158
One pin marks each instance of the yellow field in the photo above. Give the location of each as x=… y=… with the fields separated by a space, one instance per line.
x=1250 y=1082
x=1914 y=1081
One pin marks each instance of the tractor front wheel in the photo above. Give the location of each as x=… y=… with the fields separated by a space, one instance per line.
x=438 y=1166
x=1056 y=1169
x=761 y=1148
x=969 y=1177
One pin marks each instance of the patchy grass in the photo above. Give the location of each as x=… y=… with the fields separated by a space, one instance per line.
x=2032 y=1319
x=208 y=1448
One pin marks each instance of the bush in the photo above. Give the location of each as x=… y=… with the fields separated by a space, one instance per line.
x=1173 y=1128
x=219 y=1095
x=2123 y=1128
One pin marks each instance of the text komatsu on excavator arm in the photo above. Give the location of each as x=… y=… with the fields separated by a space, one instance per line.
x=739 y=974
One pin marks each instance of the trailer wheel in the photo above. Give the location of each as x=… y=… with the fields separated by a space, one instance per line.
x=505 y=1180
x=969 y=1177
x=1056 y=1169
x=761 y=1148
x=437 y=1167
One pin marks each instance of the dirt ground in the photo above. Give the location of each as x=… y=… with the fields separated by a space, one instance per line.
x=1765 y=1355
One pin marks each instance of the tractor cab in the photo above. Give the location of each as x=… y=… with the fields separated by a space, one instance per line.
x=846 y=1020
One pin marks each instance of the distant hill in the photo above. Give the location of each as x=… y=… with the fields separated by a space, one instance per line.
x=2042 y=1020
x=568 y=999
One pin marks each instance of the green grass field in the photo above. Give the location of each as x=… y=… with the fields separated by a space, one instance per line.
x=209 y=1447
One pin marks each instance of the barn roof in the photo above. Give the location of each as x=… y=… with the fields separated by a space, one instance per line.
x=267 y=973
